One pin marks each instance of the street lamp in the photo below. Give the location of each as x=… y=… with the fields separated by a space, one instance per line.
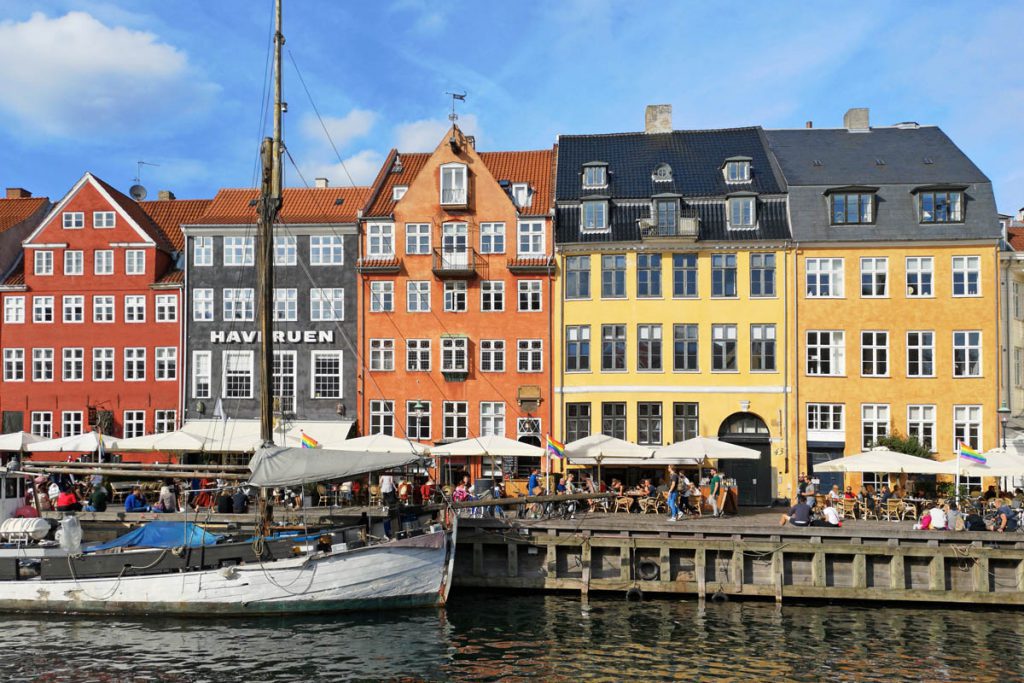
x=1004 y=417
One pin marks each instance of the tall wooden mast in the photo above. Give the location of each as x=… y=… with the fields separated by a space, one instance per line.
x=270 y=204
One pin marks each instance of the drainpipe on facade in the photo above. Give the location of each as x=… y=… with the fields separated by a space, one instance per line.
x=796 y=350
x=785 y=367
x=1004 y=357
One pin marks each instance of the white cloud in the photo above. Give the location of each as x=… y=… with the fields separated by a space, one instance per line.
x=362 y=166
x=424 y=135
x=342 y=129
x=74 y=75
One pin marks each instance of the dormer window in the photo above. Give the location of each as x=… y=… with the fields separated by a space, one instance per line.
x=737 y=170
x=742 y=212
x=594 y=216
x=595 y=175
x=852 y=205
x=398 y=191
x=453 y=184
x=521 y=195
x=666 y=214
x=662 y=174
x=941 y=205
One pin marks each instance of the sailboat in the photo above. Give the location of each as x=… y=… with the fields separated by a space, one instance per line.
x=189 y=573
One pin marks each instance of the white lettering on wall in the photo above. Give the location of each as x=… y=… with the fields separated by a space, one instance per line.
x=280 y=337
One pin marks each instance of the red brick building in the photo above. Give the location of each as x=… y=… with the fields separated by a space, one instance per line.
x=92 y=324
x=456 y=267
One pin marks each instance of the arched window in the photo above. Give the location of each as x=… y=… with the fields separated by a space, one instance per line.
x=662 y=173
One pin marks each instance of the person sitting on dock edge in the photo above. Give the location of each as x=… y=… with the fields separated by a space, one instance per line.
x=136 y=502
x=799 y=514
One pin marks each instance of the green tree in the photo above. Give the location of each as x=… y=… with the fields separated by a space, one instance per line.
x=904 y=444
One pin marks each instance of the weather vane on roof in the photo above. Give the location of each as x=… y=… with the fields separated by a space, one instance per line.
x=461 y=97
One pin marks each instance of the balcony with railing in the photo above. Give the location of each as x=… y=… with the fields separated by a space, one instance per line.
x=454 y=197
x=686 y=225
x=455 y=264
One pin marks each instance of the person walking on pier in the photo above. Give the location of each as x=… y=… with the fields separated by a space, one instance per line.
x=715 y=488
x=673 y=494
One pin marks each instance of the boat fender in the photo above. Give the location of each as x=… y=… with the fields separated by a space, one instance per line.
x=719 y=596
x=229 y=572
x=648 y=570
x=634 y=594
x=179 y=551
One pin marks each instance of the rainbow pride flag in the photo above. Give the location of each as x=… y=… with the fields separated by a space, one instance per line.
x=309 y=442
x=555 y=447
x=968 y=453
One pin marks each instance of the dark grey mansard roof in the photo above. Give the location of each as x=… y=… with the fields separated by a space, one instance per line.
x=817 y=159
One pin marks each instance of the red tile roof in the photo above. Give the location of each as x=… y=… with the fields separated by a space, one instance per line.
x=1016 y=236
x=14 y=211
x=533 y=167
x=133 y=209
x=172 y=277
x=17 y=277
x=387 y=179
x=170 y=215
x=298 y=206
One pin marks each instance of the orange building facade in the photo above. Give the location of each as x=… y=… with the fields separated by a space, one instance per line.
x=456 y=267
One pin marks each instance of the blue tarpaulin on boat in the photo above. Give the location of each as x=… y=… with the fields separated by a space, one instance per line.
x=160 y=535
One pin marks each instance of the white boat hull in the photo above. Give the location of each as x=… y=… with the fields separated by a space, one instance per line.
x=402 y=573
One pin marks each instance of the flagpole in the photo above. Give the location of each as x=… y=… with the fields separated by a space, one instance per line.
x=956 y=484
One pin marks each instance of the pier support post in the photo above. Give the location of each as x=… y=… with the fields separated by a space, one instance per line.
x=981 y=583
x=778 y=570
x=585 y=557
x=665 y=564
x=478 y=559
x=624 y=563
x=512 y=567
x=860 y=570
x=736 y=570
x=700 y=572
x=937 y=573
x=1020 y=576
x=897 y=571
x=818 y=570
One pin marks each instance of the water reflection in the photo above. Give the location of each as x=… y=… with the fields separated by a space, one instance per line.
x=521 y=637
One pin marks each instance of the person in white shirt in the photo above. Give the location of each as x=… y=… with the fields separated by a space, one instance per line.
x=387 y=490
x=938 y=516
x=829 y=517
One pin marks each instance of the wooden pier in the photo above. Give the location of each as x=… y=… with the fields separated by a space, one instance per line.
x=746 y=556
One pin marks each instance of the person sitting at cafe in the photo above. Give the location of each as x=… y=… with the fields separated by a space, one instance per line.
x=834 y=494
x=346 y=492
x=1005 y=520
x=829 y=517
x=691 y=497
x=98 y=499
x=404 y=491
x=799 y=514
x=938 y=518
x=136 y=502
x=224 y=504
x=886 y=495
x=460 y=493
x=560 y=488
x=651 y=489
x=849 y=494
x=617 y=487
x=427 y=491
x=67 y=501
x=801 y=484
x=990 y=493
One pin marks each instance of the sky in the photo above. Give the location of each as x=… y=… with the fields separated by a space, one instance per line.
x=100 y=85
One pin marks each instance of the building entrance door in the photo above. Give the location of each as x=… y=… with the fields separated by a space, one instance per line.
x=753 y=477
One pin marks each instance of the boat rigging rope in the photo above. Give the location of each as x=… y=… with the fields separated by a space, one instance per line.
x=120 y=575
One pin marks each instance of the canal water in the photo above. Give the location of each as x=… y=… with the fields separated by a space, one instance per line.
x=513 y=637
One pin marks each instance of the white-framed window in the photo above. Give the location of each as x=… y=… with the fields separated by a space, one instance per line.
x=134 y=423
x=595 y=176
x=382 y=355
x=417 y=420
x=648 y=348
x=456 y=420
x=286 y=250
x=327 y=303
x=135 y=262
x=529 y=427
x=135 y=364
x=73 y=308
x=380 y=240
x=417 y=355
x=71 y=423
x=492 y=238
x=874 y=423
x=492 y=418
x=742 y=213
x=967 y=426
x=104 y=219
x=42 y=423
x=874 y=354
x=920 y=276
x=14 y=365
x=135 y=308
x=202 y=304
x=327 y=369
x=824 y=278
x=521 y=194
x=239 y=250
x=73 y=220
x=103 y=364
x=454 y=354
x=42 y=262
x=648 y=275
x=382 y=296
x=492 y=355
x=826 y=352
x=531 y=238
x=920 y=353
x=74 y=262
x=921 y=424
x=167 y=308
x=398 y=191
x=42 y=309
x=825 y=417
x=417 y=239
x=382 y=417
x=165 y=421
x=417 y=298
x=286 y=304
x=73 y=364
x=594 y=216
x=202 y=374
x=530 y=292
x=202 y=251
x=530 y=355
x=577 y=348
x=492 y=296
x=967 y=353
x=14 y=309
x=326 y=250
x=1018 y=366
x=737 y=171
x=966 y=276
x=166 y=362
x=283 y=373
x=874 y=277
x=455 y=296
x=453 y=184
x=723 y=348
x=42 y=365
x=103 y=262
x=237 y=380
x=239 y=304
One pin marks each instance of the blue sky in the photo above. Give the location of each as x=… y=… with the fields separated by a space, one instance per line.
x=100 y=85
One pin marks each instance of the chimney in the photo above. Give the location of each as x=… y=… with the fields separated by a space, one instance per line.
x=471 y=141
x=18 y=193
x=658 y=118
x=809 y=124
x=857 y=119
x=320 y=182
x=165 y=195
x=1020 y=213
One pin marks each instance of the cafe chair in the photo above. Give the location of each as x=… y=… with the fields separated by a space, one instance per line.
x=893 y=511
x=622 y=504
x=696 y=503
x=375 y=498
x=869 y=512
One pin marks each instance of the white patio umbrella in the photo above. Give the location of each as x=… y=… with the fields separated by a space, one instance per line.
x=881 y=459
x=998 y=463
x=597 y=448
x=487 y=445
x=694 y=451
x=166 y=441
x=81 y=443
x=15 y=442
x=382 y=443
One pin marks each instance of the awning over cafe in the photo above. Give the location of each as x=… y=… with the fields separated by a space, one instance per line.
x=881 y=459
